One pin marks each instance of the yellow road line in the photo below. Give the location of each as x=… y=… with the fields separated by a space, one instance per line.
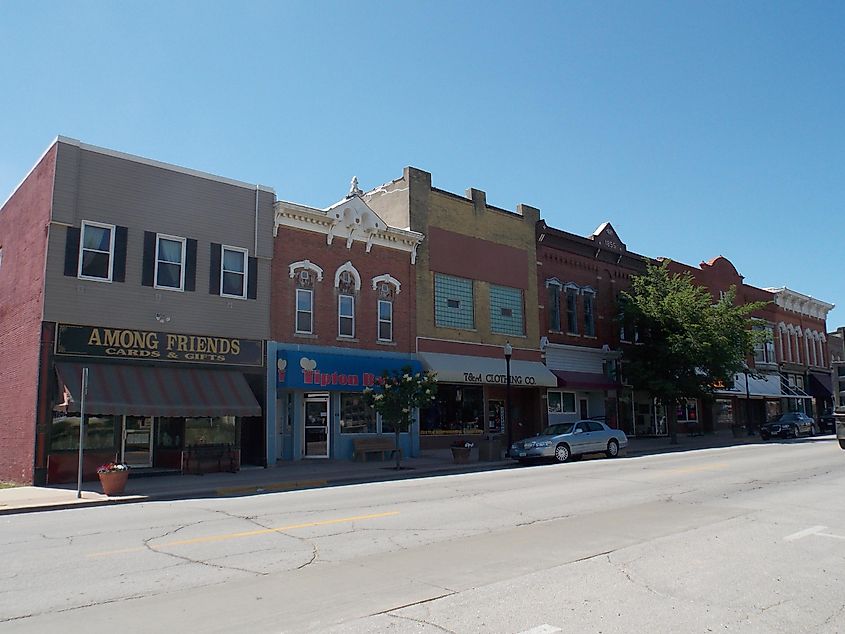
x=262 y=531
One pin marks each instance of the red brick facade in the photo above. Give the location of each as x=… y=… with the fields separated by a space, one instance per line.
x=24 y=226
x=570 y=259
x=719 y=274
x=294 y=245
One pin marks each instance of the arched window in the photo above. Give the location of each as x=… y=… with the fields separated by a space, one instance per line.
x=305 y=275
x=387 y=288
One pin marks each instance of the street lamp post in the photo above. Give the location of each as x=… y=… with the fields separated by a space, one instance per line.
x=508 y=353
x=749 y=428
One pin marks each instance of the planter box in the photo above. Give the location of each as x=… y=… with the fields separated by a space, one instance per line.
x=460 y=455
x=114 y=482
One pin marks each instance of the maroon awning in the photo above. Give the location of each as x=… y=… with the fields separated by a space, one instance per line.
x=146 y=391
x=584 y=380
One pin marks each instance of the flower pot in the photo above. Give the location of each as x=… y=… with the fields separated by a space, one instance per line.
x=460 y=455
x=114 y=482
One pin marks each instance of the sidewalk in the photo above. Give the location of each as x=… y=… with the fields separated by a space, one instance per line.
x=302 y=474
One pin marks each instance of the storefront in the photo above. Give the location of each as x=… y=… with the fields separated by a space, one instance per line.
x=319 y=405
x=151 y=398
x=583 y=395
x=750 y=401
x=471 y=397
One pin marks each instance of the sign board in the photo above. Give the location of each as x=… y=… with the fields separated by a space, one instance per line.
x=124 y=343
x=337 y=372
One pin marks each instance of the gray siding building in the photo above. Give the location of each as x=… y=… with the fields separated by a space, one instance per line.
x=155 y=279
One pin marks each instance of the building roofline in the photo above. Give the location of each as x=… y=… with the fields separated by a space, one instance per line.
x=161 y=164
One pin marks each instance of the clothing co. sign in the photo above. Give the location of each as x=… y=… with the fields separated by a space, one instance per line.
x=95 y=341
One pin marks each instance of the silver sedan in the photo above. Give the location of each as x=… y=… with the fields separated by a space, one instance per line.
x=563 y=441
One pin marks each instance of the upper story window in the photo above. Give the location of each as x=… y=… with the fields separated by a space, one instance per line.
x=233 y=272
x=96 y=250
x=589 y=312
x=572 y=309
x=453 y=302
x=764 y=350
x=304 y=311
x=554 y=286
x=385 y=320
x=346 y=315
x=305 y=274
x=387 y=288
x=506 y=312
x=170 y=262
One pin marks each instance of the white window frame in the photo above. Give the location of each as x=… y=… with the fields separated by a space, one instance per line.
x=562 y=410
x=340 y=317
x=245 y=253
x=82 y=249
x=297 y=311
x=183 y=241
x=379 y=320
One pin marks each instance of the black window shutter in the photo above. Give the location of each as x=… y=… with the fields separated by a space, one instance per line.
x=252 y=279
x=72 y=251
x=214 y=269
x=119 y=266
x=190 y=265
x=148 y=271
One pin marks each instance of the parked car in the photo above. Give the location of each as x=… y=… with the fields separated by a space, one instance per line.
x=827 y=423
x=564 y=441
x=789 y=425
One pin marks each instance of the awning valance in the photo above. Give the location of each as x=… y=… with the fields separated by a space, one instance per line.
x=759 y=386
x=584 y=380
x=456 y=368
x=148 y=391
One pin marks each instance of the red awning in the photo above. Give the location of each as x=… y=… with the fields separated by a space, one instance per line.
x=584 y=380
x=146 y=391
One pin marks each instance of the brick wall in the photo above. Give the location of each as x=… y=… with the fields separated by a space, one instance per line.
x=292 y=245
x=24 y=223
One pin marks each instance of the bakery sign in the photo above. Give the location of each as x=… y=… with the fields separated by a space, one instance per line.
x=127 y=343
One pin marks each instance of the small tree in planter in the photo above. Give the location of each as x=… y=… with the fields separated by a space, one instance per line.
x=397 y=394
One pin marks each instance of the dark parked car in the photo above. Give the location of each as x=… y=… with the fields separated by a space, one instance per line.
x=827 y=423
x=789 y=425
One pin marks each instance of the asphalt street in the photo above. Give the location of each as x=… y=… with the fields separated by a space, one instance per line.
x=744 y=539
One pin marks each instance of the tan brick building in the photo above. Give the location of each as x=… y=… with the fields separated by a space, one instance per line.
x=476 y=293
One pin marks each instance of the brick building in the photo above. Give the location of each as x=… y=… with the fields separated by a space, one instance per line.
x=343 y=311
x=476 y=293
x=790 y=371
x=105 y=267
x=580 y=279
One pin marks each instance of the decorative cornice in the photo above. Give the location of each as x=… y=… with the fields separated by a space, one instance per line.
x=800 y=303
x=352 y=219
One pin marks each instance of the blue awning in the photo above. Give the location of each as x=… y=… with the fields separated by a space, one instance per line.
x=304 y=369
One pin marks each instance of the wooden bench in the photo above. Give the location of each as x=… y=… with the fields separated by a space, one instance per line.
x=362 y=446
x=198 y=459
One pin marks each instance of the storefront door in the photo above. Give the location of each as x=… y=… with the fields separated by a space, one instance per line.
x=137 y=441
x=316 y=426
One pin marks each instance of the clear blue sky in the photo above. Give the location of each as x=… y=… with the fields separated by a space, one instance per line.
x=697 y=129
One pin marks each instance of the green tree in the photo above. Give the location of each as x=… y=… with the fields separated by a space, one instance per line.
x=686 y=343
x=398 y=394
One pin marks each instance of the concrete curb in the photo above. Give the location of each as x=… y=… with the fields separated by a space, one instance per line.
x=255 y=489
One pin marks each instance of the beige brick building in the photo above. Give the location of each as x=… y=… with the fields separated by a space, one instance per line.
x=476 y=292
